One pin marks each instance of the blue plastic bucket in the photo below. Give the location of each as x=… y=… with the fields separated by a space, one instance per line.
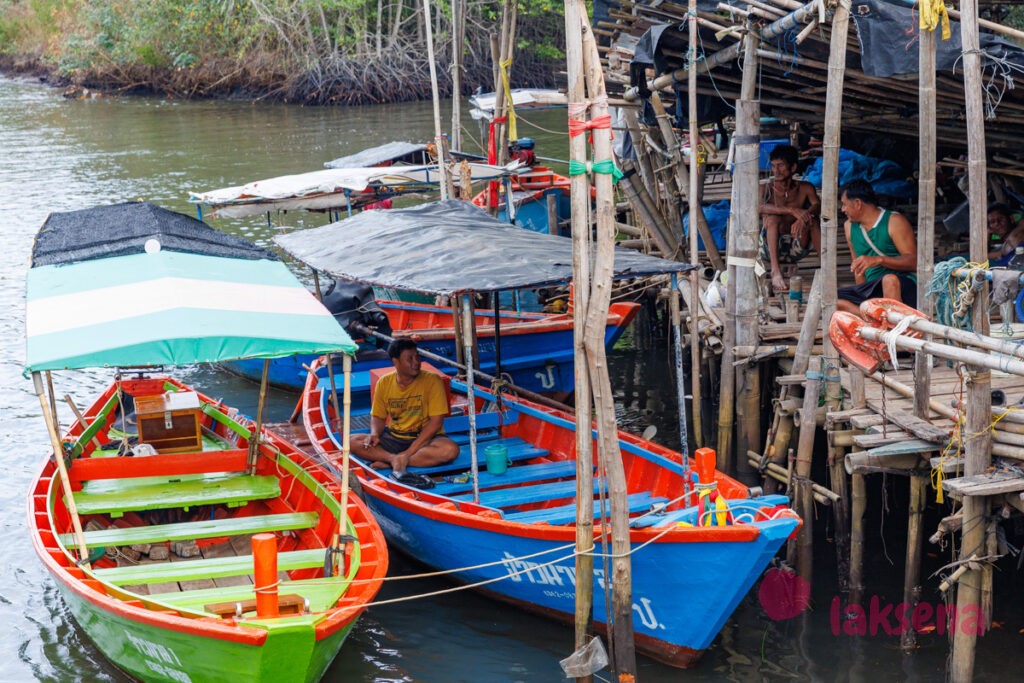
x=497 y=458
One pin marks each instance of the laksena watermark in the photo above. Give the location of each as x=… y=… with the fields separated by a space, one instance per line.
x=784 y=595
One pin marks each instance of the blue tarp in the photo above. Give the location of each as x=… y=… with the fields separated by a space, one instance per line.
x=886 y=177
x=717 y=216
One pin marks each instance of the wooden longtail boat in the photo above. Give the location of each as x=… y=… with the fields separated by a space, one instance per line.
x=694 y=559
x=536 y=348
x=273 y=561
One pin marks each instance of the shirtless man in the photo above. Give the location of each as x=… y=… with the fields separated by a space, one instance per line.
x=790 y=211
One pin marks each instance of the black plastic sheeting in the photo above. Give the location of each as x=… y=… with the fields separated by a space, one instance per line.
x=409 y=152
x=123 y=229
x=888 y=50
x=448 y=247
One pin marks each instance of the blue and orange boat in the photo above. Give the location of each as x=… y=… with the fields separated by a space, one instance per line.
x=515 y=531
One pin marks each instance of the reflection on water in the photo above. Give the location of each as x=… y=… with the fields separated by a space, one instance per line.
x=62 y=155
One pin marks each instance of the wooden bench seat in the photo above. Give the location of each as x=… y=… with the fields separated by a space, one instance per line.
x=117 y=496
x=566 y=514
x=321 y=594
x=212 y=568
x=513 y=475
x=524 y=495
x=207 y=528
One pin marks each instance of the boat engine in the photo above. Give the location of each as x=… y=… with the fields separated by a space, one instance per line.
x=353 y=303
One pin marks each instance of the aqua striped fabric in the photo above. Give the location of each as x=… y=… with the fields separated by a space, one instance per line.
x=172 y=308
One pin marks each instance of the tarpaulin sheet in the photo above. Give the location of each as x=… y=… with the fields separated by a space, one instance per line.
x=888 y=50
x=446 y=248
x=123 y=229
x=411 y=152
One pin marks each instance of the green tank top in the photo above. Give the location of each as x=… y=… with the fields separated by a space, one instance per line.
x=879 y=235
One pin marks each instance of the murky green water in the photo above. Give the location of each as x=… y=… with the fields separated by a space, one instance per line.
x=59 y=155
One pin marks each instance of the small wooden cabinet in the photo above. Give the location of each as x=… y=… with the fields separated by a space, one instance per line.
x=170 y=422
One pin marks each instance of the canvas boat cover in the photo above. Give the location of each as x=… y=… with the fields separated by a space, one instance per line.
x=390 y=152
x=203 y=296
x=326 y=189
x=447 y=248
x=522 y=98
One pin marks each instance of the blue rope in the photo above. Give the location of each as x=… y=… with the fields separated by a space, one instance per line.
x=943 y=287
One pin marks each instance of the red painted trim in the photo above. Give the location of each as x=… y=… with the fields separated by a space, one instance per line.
x=86 y=469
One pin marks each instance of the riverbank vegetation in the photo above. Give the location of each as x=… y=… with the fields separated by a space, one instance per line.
x=308 y=51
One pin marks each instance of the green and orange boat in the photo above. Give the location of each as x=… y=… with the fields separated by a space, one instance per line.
x=189 y=543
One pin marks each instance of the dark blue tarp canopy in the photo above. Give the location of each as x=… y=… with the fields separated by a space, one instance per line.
x=447 y=248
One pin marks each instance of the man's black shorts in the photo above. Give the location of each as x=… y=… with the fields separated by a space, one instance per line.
x=872 y=289
x=392 y=444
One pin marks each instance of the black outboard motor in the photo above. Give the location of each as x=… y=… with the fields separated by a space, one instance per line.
x=352 y=303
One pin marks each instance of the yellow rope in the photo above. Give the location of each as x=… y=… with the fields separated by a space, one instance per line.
x=513 y=134
x=933 y=12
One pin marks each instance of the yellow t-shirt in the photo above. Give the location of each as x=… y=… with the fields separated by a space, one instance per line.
x=408 y=410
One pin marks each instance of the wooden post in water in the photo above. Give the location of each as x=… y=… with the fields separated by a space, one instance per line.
x=580 y=199
x=597 y=315
x=442 y=165
x=858 y=504
x=696 y=213
x=830 y=194
x=458 y=41
x=925 y=267
x=743 y=253
x=978 y=454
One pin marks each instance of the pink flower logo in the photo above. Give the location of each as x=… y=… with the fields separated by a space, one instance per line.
x=783 y=594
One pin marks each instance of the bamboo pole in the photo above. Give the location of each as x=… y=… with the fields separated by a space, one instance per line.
x=978 y=451
x=859 y=502
x=458 y=46
x=912 y=567
x=696 y=216
x=805 y=504
x=830 y=193
x=743 y=253
x=254 y=437
x=580 y=217
x=62 y=470
x=346 y=452
x=597 y=313
x=81 y=418
x=442 y=165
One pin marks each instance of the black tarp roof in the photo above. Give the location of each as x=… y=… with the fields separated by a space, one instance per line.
x=446 y=248
x=123 y=229
x=382 y=154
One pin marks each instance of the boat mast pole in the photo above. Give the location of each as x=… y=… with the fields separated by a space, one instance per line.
x=346 y=439
x=677 y=343
x=467 y=340
x=694 y=209
x=254 y=437
x=438 y=136
x=330 y=358
x=62 y=470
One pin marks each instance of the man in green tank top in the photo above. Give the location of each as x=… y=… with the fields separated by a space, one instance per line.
x=883 y=247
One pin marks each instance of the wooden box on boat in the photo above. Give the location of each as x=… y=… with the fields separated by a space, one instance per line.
x=170 y=422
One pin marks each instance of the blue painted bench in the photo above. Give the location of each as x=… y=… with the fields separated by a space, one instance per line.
x=517 y=450
x=524 y=495
x=566 y=514
x=514 y=475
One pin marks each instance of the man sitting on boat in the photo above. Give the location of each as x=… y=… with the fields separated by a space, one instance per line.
x=789 y=210
x=406 y=418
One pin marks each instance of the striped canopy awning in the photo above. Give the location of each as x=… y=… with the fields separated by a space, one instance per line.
x=172 y=308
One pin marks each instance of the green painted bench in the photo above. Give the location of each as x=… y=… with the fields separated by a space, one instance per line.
x=322 y=595
x=117 y=496
x=213 y=568
x=207 y=528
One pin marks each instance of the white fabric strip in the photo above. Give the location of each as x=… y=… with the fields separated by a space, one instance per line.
x=122 y=302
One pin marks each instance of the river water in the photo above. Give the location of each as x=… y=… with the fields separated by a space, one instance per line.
x=60 y=155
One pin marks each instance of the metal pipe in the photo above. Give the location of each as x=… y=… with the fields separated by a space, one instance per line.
x=677 y=343
x=984 y=360
x=1003 y=346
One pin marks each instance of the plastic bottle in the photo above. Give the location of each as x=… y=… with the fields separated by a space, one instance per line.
x=1017 y=262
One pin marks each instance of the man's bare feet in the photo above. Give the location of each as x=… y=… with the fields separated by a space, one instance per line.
x=778 y=283
x=375 y=465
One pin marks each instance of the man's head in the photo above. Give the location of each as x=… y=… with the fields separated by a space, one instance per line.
x=783 y=160
x=1000 y=220
x=855 y=198
x=405 y=357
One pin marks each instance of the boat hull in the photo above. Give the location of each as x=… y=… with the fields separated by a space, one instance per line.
x=683 y=592
x=538 y=355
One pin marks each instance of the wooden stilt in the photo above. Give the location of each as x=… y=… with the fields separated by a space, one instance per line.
x=580 y=199
x=743 y=252
x=858 y=504
x=805 y=451
x=978 y=455
x=912 y=567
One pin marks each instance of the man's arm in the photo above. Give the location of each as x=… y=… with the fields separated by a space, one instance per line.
x=429 y=431
x=858 y=276
x=377 y=425
x=813 y=200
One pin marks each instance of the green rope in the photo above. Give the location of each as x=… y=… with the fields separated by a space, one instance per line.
x=944 y=287
x=607 y=166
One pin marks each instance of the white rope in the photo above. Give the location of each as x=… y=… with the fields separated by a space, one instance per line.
x=892 y=335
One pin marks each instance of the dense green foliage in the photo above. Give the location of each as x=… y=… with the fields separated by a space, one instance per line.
x=310 y=50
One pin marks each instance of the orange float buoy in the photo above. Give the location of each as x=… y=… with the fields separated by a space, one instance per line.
x=264 y=557
x=844 y=331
